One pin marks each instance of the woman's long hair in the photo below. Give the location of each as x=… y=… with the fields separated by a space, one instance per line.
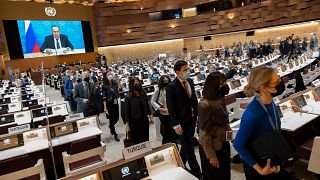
x=142 y=92
x=161 y=81
x=212 y=85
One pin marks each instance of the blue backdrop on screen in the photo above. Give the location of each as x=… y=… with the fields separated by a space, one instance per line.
x=41 y=29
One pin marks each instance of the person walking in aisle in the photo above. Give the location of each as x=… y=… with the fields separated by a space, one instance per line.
x=183 y=110
x=137 y=112
x=214 y=128
x=159 y=103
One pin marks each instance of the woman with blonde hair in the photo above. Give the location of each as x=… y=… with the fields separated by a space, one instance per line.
x=261 y=117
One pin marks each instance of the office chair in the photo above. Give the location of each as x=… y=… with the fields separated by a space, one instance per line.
x=27 y=170
x=53 y=120
x=84 y=154
x=314 y=163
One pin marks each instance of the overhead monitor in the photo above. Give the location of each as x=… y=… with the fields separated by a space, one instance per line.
x=41 y=38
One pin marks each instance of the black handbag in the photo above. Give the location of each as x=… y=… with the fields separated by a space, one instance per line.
x=127 y=142
x=90 y=109
x=271 y=146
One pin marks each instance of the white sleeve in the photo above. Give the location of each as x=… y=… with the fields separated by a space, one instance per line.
x=155 y=95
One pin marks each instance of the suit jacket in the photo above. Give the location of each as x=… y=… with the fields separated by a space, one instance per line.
x=79 y=95
x=49 y=42
x=213 y=123
x=180 y=105
x=68 y=87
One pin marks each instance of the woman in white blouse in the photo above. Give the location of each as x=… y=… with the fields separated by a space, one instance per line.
x=159 y=103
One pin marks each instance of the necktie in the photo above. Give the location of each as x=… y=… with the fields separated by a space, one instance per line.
x=58 y=44
x=185 y=85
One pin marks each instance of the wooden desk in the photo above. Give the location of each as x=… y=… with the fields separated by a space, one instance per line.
x=87 y=127
x=171 y=167
x=31 y=144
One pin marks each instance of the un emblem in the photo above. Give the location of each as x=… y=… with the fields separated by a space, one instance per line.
x=125 y=171
x=50 y=11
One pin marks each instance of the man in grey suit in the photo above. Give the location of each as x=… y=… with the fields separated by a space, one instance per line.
x=84 y=91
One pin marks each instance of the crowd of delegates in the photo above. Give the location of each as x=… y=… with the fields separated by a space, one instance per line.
x=177 y=106
x=91 y=96
x=294 y=46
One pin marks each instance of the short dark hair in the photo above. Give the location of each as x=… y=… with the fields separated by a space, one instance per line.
x=212 y=85
x=179 y=64
x=55 y=26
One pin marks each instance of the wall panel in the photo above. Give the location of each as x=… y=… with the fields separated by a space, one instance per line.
x=266 y=14
x=142 y=51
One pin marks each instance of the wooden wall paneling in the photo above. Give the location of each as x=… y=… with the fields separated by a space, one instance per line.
x=267 y=13
x=50 y=61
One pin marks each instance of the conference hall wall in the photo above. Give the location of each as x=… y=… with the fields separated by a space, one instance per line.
x=129 y=23
x=261 y=35
x=36 y=11
x=174 y=47
x=142 y=51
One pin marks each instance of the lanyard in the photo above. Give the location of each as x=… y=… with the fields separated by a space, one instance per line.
x=224 y=112
x=275 y=127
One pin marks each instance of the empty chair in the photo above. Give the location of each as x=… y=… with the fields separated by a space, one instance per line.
x=22 y=167
x=314 y=163
x=4 y=128
x=53 y=120
x=304 y=149
x=84 y=154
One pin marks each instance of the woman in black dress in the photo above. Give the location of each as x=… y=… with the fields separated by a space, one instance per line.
x=137 y=112
x=111 y=92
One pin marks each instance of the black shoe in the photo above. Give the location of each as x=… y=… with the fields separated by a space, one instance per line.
x=116 y=138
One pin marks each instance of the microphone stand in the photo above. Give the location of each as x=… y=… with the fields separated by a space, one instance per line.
x=48 y=128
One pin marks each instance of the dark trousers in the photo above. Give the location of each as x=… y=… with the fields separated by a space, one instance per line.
x=209 y=171
x=139 y=130
x=166 y=129
x=113 y=117
x=73 y=105
x=187 y=149
x=252 y=174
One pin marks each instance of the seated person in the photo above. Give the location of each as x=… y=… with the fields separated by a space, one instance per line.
x=56 y=41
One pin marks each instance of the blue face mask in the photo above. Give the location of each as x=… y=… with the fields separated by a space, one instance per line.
x=186 y=74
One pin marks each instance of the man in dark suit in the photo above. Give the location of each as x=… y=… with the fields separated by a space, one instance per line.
x=56 y=41
x=84 y=92
x=183 y=110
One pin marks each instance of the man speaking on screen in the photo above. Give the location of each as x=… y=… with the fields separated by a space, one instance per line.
x=56 y=42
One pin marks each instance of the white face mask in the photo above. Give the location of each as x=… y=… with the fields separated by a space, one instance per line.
x=110 y=77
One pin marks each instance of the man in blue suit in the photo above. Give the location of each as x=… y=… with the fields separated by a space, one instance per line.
x=183 y=110
x=56 y=41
